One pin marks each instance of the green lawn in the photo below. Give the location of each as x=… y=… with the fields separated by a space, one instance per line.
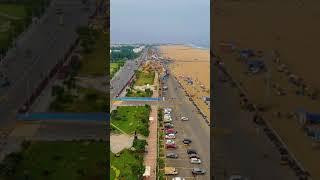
x=129 y=163
x=114 y=67
x=95 y=63
x=144 y=78
x=14 y=10
x=88 y=100
x=59 y=160
x=138 y=93
x=131 y=119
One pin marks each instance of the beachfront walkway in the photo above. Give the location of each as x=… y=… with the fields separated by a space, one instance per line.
x=150 y=158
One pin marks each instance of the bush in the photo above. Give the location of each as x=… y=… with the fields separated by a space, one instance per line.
x=139 y=145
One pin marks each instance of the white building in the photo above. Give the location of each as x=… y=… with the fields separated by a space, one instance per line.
x=139 y=49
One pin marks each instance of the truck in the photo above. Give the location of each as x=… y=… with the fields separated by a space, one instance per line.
x=170 y=171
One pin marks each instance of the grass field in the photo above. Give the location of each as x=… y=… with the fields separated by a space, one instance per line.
x=138 y=93
x=95 y=63
x=131 y=119
x=144 y=78
x=61 y=160
x=114 y=67
x=14 y=10
x=129 y=163
x=90 y=101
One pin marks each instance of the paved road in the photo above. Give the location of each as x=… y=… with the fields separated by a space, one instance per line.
x=47 y=42
x=196 y=129
x=239 y=146
x=123 y=76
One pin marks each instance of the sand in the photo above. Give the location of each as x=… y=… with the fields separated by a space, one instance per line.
x=291 y=28
x=193 y=63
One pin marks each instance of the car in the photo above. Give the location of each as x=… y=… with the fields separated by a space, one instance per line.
x=186 y=141
x=172 y=155
x=237 y=177
x=191 y=151
x=178 y=178
x=184 y=119
x=195 y=161
x=168 y=125
x=170 y=136
x=194 y=156
x=171 y=131
x=171 y=146
x=198 y=171
x=170 y=141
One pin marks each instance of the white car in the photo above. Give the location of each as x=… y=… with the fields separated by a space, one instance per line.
x=195 y=161
x=170 y=141
x=184 y=118
x=178 y=178
x=170 y=136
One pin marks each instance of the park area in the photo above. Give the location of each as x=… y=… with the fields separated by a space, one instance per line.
x=144 y=77
x=15 y=17
x=115 y=66
x=129 y=162
x=94 y=61
x=130 y=119
x=81 y=160
x=79 y=100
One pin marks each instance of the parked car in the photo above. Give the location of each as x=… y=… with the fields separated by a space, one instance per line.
x=172 y=155
x=171 y=131
x=171 y=146
x=191 y=151
x=170 y=136
x=168 y=125
x=186 y=141
x=178 y=178
x=170 y=141
x=198 y=171
x=195 y=161
x=194 y=156
x=184 y=119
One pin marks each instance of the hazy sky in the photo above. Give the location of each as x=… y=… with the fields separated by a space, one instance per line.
x=160 y=21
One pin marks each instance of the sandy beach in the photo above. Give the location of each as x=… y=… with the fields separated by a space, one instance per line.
x=195 y=64
x=259 y=25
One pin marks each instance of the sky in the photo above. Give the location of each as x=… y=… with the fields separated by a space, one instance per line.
x=160 y=21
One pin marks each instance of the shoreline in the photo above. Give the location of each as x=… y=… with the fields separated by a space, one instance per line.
x=191 y=64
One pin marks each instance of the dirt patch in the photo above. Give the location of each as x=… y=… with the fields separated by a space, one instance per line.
x=118 y=142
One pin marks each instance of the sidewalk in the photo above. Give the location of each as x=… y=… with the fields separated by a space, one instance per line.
x=150 y=158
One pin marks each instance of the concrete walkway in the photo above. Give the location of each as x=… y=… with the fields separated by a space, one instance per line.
x=150 y=158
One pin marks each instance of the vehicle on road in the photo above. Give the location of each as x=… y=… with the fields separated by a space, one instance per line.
x=237 y=177
x=194 y=156
x=172 y=155
x=170 y=171
x=195 y=161
x=167 y=110
x=170 y=136
x=171 y=146
x=170 y=141
x=184 y=119
x=191 y=151
x=171 y=131
x=186 y=141
x=198 y=171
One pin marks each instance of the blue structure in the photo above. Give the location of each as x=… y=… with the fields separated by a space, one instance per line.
x=136 y=99
x=64 y=116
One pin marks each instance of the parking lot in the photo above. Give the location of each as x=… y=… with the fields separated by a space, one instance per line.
x=194 y=129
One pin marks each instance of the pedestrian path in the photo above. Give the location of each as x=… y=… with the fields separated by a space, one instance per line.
x=150 y=158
